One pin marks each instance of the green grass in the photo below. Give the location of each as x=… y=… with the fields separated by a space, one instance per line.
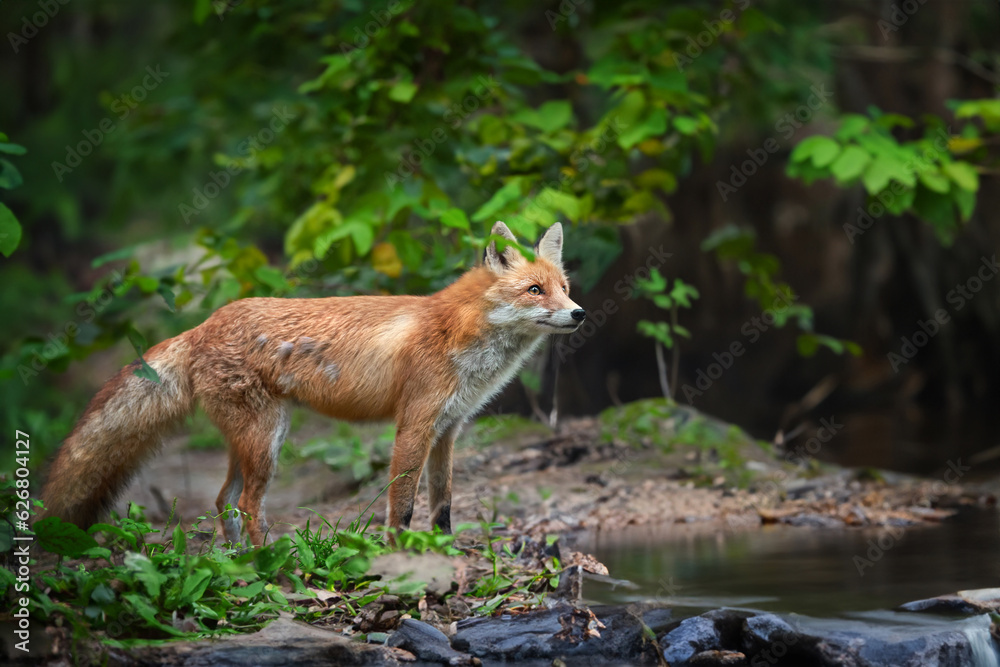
x=126 y=583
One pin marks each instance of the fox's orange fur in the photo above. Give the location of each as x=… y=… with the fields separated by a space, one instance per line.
x=427 y=362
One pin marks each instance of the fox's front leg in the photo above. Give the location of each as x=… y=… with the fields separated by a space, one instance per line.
x=414 y=438
x=439 y=479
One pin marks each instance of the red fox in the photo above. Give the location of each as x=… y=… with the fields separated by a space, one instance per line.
x=429 y=362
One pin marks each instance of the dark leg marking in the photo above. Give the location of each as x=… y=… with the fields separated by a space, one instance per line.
x=443 y=519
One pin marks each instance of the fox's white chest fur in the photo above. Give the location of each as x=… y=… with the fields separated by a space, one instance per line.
x=483 y=370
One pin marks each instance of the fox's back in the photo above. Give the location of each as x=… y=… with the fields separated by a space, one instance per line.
x=339 y=355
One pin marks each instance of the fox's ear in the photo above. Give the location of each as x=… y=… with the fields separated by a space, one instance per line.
x=500 y=261
x=550 y=245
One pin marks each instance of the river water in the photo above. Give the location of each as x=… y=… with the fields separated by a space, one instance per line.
x=821 y=572
x=828 y=579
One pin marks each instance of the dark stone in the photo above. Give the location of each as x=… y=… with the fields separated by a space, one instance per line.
x=719 y=629
x=718 y=659
x=283 y=642
x=968 y=603
x=693 y=635
x=771 y=640
x=565 y=632
x=943 y=604
x=427 y=643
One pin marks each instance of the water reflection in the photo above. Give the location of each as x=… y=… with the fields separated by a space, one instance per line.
x=825 y=572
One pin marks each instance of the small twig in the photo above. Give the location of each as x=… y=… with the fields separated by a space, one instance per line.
x=661 y=364
x=676 y=361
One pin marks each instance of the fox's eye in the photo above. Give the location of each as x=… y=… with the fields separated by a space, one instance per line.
x=564 y=288
x=534 y=289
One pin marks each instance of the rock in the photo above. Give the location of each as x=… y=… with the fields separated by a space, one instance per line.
x=400 y=571
x=427 y=643
x=718 y=659
x=694 y=635
x=613 y=634
x=712 y=631
x=943 y=604
x=976 y=601
x=772 y=640
x=283 y=642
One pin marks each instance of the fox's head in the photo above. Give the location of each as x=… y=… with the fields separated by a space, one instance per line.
x=531 y=296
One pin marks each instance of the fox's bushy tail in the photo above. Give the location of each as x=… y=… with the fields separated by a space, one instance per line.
x=121 y=428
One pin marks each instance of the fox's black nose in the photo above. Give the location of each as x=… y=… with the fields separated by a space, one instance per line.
x=579 y=314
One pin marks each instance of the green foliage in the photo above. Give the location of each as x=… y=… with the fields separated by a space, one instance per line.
x=10 y=178
x=126 y=583
x=679 y=296
x=925 y=177
x=350 y=449
x=731 y=243
x=721 y=449
x=657 y=288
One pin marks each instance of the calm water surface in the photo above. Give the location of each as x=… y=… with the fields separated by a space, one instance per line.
x=800 y=570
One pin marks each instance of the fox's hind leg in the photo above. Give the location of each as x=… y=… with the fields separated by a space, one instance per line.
x=255 y=437
x=439 y=465
x=230 y=495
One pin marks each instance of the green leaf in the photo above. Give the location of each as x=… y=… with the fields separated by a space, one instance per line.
x=251 y=591
x=59 y=537
x=654 y=124
x=850 y=164
x=151 y=578
x=500 y=199
x=202 y=8
x=10 y=231
x=139 y=344
x=12 y=149
x=550 y=117
x=455 y=217
x=825 y=151
x=102 y=594
x=360 y=232
x=168 y=296
x=963 y=174
x=851 y=125
x=966 y=202
x=270 y=558
x=195 y=585
x=403 y=91
x=179 y=540
x=826 y=147
x=10 y=177
x=935 y=181
x=562 y=201
x=685 y=125
x=272 y=277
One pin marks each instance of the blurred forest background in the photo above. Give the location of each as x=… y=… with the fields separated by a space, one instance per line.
x=816 y=175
